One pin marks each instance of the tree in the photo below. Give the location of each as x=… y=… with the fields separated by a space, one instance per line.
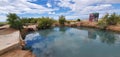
x=62 y=20
x=106 y=16
x=14 y=21
x=24 y=21
x=103 y=22
x=113 y=19
x=119 y=20
x=45 y=23
x=78 y=20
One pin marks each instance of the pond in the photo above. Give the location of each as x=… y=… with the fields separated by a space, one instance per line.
x=73 y=42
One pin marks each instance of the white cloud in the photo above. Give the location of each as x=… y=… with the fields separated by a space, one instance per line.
x=51 y=13
x=85 y=7
x=72 y=17
x=79 y=5
x=97 y=8
x=80 y=8
x=49 y=5
x=3 y=18
x=112 y=1
x=32 y=0
x=22 y=6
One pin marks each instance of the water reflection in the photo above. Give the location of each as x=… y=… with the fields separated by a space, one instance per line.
x=40 y=45
x=69 y=42
x=104 y=36
x=46 y=32
x=92 y=34
x=63 y=29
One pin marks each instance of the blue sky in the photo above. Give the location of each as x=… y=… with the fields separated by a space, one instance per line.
x=72 y=9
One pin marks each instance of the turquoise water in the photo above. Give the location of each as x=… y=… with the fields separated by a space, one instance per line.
x=73 y=42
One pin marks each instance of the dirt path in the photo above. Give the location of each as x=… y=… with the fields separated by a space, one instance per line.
x=18 y=53
x=7 y=31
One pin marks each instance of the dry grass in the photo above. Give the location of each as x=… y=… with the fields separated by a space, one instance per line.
x=114 y=28
x=89 y=24
x=94 y=25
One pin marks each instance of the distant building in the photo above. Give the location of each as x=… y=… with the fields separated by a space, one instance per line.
x=93 y=17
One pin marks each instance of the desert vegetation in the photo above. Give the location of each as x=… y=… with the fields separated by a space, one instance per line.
x=17 y=22
x=14 y=21
x=108 y=19
x=45 y=22
x=62 y=20
x=78 y=20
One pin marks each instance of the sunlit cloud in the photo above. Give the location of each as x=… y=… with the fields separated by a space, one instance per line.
x=53 y=8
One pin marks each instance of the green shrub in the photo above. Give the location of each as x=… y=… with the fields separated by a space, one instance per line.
x=102 y=24
x=14 y=21
x=27 y=21
x=62 y=20
x=113 y=19
x=68 y=22
x=78 y=20
x=45 y=23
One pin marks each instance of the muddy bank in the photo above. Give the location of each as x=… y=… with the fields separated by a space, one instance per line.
x=27 y=29
x=88 y=24
x=115 y=28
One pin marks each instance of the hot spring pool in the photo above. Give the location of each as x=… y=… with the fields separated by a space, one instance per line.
x=73 y=42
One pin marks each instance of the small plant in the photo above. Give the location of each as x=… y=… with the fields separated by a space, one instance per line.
x=62 y=20
x=78 y=20
x=68 y=22
x=45 y=23
x=102 y=24
x=113 y=19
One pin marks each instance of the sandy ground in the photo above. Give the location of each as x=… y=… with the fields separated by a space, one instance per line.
x=94 y=25
x=7 y=31
x=16 y=52
x=88 y=24
x=114 y=28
